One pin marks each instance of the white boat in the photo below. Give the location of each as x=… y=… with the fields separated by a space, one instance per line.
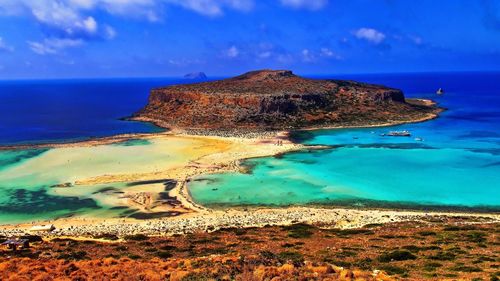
x=399 y=133
x=440 y=91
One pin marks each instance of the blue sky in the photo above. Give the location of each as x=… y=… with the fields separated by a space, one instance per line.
x=138 y=38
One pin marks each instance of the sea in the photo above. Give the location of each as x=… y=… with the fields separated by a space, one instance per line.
x=452 y=162
x=44 y=111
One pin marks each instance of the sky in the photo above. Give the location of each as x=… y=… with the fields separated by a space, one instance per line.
x=159 y=38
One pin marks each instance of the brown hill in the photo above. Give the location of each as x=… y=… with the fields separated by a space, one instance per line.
x=279 y=99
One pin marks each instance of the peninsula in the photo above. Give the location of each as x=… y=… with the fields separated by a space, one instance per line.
x=266 y=100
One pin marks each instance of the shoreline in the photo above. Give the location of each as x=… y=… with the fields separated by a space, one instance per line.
x=94 y=141
x=342 y=218
x=202 y=218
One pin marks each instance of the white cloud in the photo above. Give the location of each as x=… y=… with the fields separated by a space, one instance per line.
x=84 y=4
x=232 y=52
x=89 y=25
x=4 y=46
x=370 y=34
x=64 y=11
x=305 y=4
x=66 y=18
x=69 y=23
x=109 y=32
x=53 y=45
x=307 y=56
x=325 y=52
x=73 y=18
x=213 y=7
x=264 y=55
x=61 y=16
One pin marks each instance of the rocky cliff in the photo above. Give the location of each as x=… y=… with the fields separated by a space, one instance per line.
x=279 y=99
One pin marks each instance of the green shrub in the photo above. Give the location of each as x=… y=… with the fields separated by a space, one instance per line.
x=164 y=254
x=413 y=248
x=121 y=247
x=397 y=255
x=482 y=259
x=443 y=256
x=168 y=248
x=459 y=228
x=299 y=230
x=476 y=236
x=465 y=268
x=372 y=225
x=134 y=256
x=137 y=237
x=348 y=232
x=79 y=255
x=427 y=233
x=294 y=257
x=365 y=264
x=287 y=245
x=107 y=236
x=391 y=269
x=267 y=255
x=431 y=266
x=342 y=263
x=345 y=254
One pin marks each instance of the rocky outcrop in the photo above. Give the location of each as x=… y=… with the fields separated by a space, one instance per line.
x=278 y=99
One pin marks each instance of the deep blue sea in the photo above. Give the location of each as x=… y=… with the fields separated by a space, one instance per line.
x=37 y=111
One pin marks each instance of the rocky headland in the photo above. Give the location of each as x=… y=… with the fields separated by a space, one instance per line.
x=277 y=100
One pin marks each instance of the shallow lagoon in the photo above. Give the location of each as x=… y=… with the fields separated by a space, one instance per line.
x=27 y=177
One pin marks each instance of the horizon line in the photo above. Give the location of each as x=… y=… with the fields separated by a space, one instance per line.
x=210 y=77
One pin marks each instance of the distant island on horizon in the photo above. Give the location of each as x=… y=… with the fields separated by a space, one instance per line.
x=196 y=75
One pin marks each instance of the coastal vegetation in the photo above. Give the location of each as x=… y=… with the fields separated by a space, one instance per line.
x=391 y=251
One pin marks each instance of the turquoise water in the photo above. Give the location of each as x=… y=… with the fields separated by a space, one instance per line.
x=26 y=198
x=28 y=179
x=455 y=165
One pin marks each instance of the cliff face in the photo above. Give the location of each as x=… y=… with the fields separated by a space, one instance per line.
x=279 y=99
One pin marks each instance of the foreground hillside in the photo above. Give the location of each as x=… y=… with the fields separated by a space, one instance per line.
x=446 y=249
x=279 y=99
